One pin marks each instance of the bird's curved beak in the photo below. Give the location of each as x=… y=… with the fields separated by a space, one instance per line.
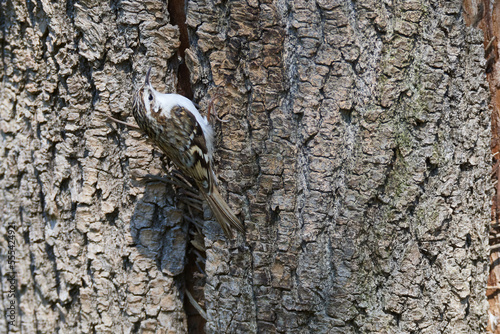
x=147 y=77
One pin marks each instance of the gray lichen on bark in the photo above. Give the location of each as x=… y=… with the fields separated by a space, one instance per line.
x=357 y=152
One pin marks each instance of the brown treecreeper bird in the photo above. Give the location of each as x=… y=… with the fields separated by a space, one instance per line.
x=186 y=138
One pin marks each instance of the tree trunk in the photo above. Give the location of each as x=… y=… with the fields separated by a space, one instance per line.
x=356 y=152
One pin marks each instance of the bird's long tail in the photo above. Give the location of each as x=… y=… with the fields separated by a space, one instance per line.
x=222 y=212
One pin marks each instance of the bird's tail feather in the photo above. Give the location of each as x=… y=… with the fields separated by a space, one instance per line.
x=223 y=213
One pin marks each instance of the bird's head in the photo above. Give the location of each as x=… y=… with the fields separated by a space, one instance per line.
x=146 y=96
x=149 y=95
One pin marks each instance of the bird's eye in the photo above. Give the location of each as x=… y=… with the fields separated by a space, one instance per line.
x=150 y=97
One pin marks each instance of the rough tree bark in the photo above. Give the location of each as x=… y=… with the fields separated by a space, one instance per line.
x=356 y=152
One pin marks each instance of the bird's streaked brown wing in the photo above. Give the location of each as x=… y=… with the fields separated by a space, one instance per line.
x=185 y=133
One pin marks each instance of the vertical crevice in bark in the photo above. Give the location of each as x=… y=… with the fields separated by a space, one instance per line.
x=176 y=8
x=194 y=279
x=194 y=282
